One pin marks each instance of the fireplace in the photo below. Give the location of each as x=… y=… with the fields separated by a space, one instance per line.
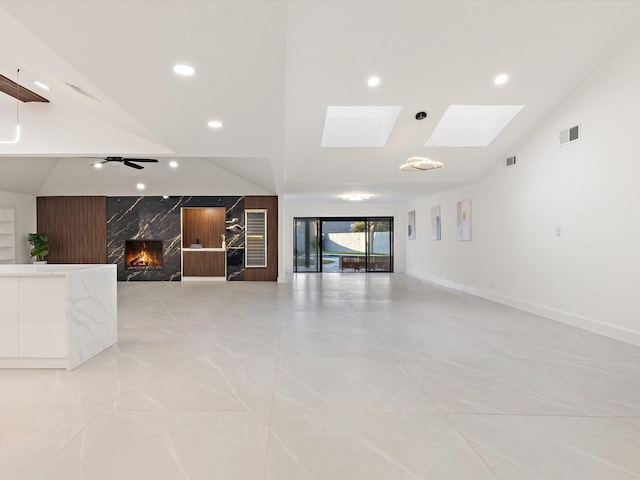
x=143 y=254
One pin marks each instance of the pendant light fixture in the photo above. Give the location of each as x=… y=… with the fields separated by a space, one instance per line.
x=418 y=164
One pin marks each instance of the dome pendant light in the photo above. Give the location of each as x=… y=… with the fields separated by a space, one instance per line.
x=417 y=164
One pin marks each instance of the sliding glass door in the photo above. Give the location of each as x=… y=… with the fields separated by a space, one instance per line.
x=379 y=245
x=306 y=245
x=341 y=244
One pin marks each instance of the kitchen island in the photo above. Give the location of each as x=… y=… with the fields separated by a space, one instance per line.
x=56 y=316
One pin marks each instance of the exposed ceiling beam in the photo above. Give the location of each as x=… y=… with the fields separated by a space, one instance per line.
x=15 y=90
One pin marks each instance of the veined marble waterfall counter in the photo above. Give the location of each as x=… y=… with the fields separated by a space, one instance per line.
x=56 y=316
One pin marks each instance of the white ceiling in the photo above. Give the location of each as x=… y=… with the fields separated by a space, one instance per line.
x=269 y=70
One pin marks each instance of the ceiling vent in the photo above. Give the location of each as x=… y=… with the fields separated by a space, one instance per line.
x=511 y=161
x=570 y=135
x=82 y=91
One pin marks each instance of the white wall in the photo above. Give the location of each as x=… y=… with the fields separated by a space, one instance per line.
x=295 y=208
x=588 y=276
x=25 y=206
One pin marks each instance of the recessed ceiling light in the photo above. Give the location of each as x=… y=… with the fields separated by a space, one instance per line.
x=173 y=164
x=501 y=79
x=140 y=186
x=165 y=196
x=373 y=82
x=215 y=124
x=42 y=85
x=97 y=165
x=185 y=70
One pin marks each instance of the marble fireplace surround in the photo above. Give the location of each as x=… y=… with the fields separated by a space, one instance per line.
x=158 y=218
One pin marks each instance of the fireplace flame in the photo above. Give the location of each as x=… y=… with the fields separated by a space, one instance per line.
x=141 y=257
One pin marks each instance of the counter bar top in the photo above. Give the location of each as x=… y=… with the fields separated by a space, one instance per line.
x=47 y=269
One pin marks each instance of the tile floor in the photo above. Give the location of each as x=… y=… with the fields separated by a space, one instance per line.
x=334 y=376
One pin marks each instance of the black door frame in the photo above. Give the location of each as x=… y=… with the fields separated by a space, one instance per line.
x=320 y=220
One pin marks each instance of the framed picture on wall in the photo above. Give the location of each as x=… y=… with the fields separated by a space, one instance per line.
x=411 y=223
x=435 y=222
x=464 y=220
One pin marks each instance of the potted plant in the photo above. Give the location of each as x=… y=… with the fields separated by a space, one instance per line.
x=40 y=243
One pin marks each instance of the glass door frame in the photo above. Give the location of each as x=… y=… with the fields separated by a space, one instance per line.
x=317 y=254
x=368 y=221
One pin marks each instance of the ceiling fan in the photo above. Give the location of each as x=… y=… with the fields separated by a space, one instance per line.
x=129 y=162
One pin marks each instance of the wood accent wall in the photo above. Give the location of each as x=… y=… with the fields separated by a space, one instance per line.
x=270 y=273
x=207 y=224
x=77 y=228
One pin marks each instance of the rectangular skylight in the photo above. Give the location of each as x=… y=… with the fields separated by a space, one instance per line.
x=358 y=126
x=472 y=125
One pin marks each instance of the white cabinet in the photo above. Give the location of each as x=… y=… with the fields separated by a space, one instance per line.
x=7 y=234
x=8 y=317
x=43 y=319
x=33 y=317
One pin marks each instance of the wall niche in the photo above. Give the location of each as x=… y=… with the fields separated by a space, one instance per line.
x=204 y=254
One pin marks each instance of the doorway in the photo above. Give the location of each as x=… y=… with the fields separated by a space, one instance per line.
x=343 y=244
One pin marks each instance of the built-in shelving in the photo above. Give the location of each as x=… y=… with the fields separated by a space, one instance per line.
x=206 y=227
x=7 y=234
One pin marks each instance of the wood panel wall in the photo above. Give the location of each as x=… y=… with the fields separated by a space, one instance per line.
x=204 y=264
x=206 y=224
x=77 y=228
x=270 y=273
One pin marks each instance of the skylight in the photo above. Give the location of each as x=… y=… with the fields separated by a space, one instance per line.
x=472 y=125
x=358 y=126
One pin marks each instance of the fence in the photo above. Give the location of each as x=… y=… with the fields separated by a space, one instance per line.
x=354 y=242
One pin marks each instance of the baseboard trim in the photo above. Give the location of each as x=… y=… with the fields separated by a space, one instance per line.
x=588 y=324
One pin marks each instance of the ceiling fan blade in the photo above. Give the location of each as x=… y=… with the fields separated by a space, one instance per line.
x=133 y=165
x=129 y=162
x=98 y=163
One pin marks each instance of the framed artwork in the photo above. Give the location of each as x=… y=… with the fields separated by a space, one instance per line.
x=411 y=223
x=464 y=220
x=435 y=222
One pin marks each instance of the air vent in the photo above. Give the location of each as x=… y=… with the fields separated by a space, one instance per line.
x=511 y=161
x=570 y=135
x=82 y=91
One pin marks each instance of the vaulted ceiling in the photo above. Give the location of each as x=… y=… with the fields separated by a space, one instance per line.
x=269 y=70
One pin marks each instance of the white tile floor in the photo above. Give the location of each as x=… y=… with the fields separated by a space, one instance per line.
x=335 y=376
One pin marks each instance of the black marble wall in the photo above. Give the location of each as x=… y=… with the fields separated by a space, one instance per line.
x=157 y=218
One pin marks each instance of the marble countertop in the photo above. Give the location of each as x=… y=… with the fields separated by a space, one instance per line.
x=46 y=269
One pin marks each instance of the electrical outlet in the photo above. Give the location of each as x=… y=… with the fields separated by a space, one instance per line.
x=558 y=231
